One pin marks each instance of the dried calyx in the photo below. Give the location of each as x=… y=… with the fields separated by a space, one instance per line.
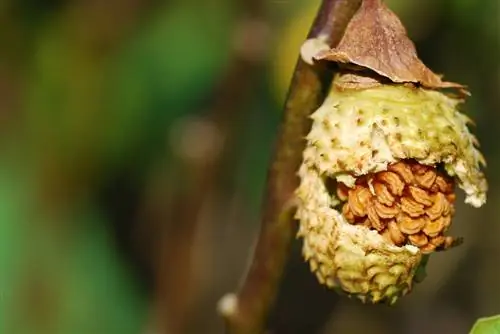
x=375 y=39
x=393 y=148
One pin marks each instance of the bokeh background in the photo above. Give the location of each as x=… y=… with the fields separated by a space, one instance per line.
x=134 y=142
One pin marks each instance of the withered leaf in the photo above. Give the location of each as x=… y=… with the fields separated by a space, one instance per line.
x=376 y=39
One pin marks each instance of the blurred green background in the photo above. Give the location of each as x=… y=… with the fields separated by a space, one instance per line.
x=134 y=142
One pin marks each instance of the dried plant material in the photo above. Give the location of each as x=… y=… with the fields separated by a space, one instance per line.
x=385 y=212
x=419 y=239
x=411 y=207
x=425 y=179
x=376 y=39
x=358 y=201
x=383 y=194
x=392 y=181
x=406 y=172
x=421 y=215
x=437 y=241
x=394 y=234
x=371 y=200
x=373 y=219
x=438 y=207
x=420 y=195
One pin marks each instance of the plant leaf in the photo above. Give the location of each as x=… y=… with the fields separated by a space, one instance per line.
x=489 y=325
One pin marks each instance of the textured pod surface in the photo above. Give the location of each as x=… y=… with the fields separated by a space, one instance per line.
x=357 y=260
x=358 y=133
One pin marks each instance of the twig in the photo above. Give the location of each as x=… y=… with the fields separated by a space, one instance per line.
x=246 y=312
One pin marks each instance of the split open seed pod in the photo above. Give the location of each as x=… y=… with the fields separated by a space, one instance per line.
x=384 y=155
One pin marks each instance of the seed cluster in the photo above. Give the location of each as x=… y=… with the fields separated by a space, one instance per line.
x=409 y=203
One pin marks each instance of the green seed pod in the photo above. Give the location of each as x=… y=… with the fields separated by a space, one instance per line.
x=356 y=134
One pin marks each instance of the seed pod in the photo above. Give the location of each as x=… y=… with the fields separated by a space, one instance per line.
x=382 y=159
x=395 y=153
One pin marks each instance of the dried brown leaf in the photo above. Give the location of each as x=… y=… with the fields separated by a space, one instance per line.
x=377 y=40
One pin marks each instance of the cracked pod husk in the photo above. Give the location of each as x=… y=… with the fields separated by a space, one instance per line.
x=358 y=135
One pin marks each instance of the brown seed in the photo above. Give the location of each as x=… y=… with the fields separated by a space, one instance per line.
x=420 y=169
x=396 y=236
x=436 y=210
x=420 y=195
x=418 y=240
x=443 y=185
x=437 y=241
x=384 y=211
x=393 y=182
x=433 y=227
x=410 y=225
x=451 y=197
x=426 y=180
x=411 y=207
x=358 y=200
x=383 y=194
x=428 y=248
x=403 y=170
x=376 y=223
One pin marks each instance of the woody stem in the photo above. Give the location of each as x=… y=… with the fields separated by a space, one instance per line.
x=258 y=291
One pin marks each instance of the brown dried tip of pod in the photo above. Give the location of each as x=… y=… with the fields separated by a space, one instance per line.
x=409 y=203
x=375 y=39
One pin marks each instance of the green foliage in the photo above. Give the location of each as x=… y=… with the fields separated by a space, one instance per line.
x=162 y=73
x=490 y=325
x=70 y=280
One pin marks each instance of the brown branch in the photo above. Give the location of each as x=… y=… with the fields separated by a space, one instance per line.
x=247 y=313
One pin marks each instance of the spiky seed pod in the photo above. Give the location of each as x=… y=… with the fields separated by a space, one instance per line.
x=377 y=183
